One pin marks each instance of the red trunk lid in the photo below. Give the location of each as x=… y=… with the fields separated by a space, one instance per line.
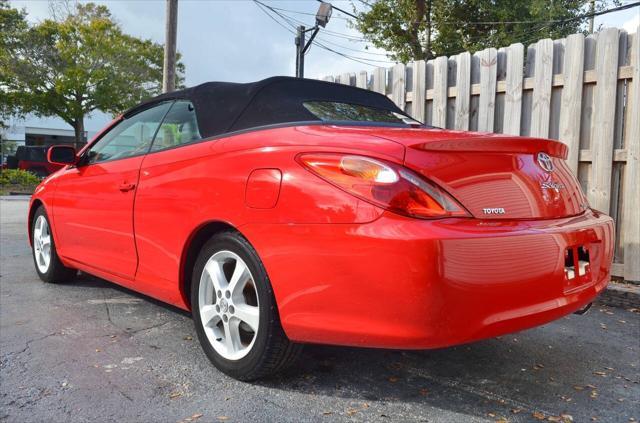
x=495 y=176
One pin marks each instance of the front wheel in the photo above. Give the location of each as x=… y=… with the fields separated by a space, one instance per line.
x=45 y=256
x=235 y=312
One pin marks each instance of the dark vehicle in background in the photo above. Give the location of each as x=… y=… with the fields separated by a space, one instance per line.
x=32 y=159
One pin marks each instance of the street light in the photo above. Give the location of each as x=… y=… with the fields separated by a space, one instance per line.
x=323 y=15
x=322 y=18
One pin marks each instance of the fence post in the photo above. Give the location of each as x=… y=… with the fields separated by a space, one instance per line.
x=571 y=106
x=440 y=65
x=463 y=90
x=543 y=77
x=380 y=80
x=513 y=94
x=419 y=90
x=604 y=110
x=362 y=79
x=631 y=208
x=488 y=75
x=398 y=87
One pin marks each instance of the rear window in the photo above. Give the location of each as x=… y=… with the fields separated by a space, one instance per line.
x=334 y=111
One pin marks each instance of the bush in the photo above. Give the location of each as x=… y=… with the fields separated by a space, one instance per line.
x=19 y=177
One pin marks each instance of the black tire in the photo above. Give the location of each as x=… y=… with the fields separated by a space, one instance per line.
x=271 y=351
x=56 y=272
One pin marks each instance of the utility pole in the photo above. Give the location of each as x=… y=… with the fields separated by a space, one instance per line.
x=300 y=41
x=169 y=66
x=302 y=45
x=592 y=10
x=428 y=43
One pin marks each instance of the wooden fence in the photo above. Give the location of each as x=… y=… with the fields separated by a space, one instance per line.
x=583 y=91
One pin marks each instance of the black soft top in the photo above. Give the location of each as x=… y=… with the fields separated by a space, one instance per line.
x=223 y=107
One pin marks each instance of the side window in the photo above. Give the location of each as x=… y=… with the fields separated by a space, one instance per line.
x=130 y=137
x=180 y=126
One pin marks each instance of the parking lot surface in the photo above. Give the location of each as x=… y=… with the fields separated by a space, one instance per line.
x=89 y=350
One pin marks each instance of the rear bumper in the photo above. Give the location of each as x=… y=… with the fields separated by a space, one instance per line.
x=407 y=283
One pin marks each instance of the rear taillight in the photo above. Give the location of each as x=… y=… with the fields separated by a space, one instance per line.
x=384 y=184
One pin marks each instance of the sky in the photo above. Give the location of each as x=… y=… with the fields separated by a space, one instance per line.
x=234 y=40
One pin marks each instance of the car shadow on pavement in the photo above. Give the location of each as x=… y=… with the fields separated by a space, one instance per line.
x=84 y=280
x=553 y=369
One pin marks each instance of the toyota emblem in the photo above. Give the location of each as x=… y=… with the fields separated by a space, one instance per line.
x=545 y=162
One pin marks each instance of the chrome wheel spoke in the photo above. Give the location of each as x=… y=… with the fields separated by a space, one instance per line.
x=239 y=278
x=209 y=315
x=214 y=270
x=232 y=339
x=249 y=315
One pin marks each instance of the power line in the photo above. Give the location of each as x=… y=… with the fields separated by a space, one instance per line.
x=260 y=6
x=362 y=60
x=353 y=49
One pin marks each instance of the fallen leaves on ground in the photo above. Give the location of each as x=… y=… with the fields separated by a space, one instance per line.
x=562 y=418
x=538 y=415
x=191 y=419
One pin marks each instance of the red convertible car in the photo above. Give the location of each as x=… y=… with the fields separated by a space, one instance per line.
x=292 y=211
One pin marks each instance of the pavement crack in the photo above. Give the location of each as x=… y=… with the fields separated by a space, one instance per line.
x=28 y=344
x=133 y=332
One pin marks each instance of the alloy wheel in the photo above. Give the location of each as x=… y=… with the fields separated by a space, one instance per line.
x=42 y=244
x=228 y=305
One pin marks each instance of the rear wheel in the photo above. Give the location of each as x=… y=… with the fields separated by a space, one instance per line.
x=45 y=257
x=234 y=310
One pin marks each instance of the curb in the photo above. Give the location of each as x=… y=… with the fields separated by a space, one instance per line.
x=620 y=295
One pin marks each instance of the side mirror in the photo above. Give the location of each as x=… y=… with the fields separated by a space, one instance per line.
x=62 y=154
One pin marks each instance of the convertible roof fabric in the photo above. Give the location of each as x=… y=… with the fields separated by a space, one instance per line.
x=223 y=107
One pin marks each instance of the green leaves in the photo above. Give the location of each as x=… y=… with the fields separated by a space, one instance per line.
x=75 y=64
x=402 y=26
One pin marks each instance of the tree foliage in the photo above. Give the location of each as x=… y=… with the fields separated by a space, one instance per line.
x=402 y=27
x=72 y=65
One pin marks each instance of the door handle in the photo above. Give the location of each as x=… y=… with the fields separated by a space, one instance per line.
x=125 y=186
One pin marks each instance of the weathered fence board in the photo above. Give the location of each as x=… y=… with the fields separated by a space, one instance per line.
x=398 y=88
x=439 y=113
x=631 y=209
x=581 y=90
x=419 y=88
x=513 y=89
x=572 y=97
x=488 y=75
x=463 y=95
x=542 y=89
x=604 y=104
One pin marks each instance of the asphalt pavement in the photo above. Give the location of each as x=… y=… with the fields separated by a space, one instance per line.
x=90 y=351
